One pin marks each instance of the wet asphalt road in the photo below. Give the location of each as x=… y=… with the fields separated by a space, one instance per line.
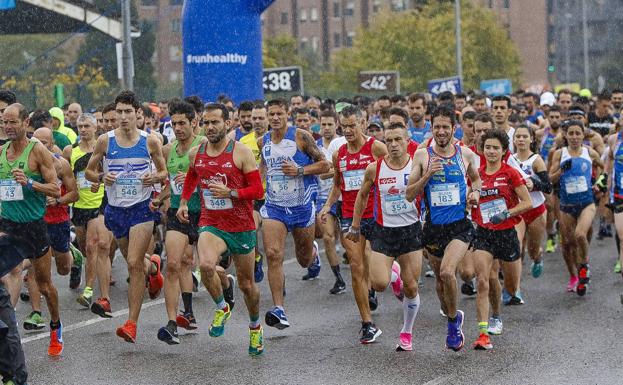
x=555 y=338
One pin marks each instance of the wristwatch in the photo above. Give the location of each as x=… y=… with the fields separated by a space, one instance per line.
x=300 y=171
x=233 y=193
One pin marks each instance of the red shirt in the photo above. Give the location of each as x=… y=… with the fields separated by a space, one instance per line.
x=226 y=214
x=351 y=170
x=412 y=147
x=497 y=195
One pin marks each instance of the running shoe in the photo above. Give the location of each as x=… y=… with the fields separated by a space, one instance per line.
x=168 y=334
x=34 y=321
x=550 y=245
x=186 y=321
x=469 y=288
x=338 y=288
x=258 y=271
x=537 y=268
x=217 y=328
x=583 y=279
x=495 y=326
x=156 y=280
x=483 y=343
x=313 y=271
x=345 y=260
x=228 y=293
x=455 y=339
x=573 y=283
x=372 y=300
x=196 y=274
x=404 y=343
x=429 y=272
x=86 y=298
x=101 y=307
x=276 y=318
x=397 y=286
x=516 y=299
x=76 y=269
x=617 y=266
x=56 y=342
x=506 y=297
x=127 y=331
x=256 y=341
x=369 y=333
x=441 y=313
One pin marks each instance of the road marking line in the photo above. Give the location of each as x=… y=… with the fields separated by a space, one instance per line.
x=82 y=324
x=439 y=380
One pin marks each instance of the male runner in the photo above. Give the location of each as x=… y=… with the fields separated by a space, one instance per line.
x=290 y=161
x=57 y=222
x=92 y=235
x=439 y=172
x=27 y=176
x=329 y=227
x=227 y=176
x=127 y=153
x=350 y=163
x=179 y=236
x=397 y=233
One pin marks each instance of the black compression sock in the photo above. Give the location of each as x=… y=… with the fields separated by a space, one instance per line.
x=187 y=298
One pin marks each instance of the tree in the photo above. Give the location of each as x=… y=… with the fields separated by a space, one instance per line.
x=101 y=47
x=421 y=45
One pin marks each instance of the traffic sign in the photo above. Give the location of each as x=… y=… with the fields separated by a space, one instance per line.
x=283 y=79
x=495 y=87
x=452 y=84
x=379 y=81
x=573 y=87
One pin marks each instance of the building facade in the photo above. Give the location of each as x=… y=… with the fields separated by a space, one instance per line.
x=326 y=26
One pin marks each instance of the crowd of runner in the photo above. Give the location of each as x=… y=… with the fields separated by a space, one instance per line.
x=458 y=186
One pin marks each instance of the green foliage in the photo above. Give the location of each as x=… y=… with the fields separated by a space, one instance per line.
x=421 y=45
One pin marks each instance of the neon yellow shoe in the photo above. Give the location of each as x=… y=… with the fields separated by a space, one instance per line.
x=617 y=266
x=256 y=341
x=218 y=324
x=86 y=298
x=550 y=245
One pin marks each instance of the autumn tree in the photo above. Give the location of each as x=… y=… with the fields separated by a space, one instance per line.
x=421 y=45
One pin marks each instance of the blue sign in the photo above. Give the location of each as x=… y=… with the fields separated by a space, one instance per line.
x=437 y=86
x=222 y=45
x=497 y=87
x=7 y=4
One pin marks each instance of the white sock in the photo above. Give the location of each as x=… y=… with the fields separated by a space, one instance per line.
x=394 y=277
x=410 y=307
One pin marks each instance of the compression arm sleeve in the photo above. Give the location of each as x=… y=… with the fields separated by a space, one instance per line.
x=254 y=189
x=541 y=182
x=190 y=183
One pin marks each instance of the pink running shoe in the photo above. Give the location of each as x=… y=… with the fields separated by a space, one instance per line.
x=573 y=283
x=404 y=345
x=397 y=286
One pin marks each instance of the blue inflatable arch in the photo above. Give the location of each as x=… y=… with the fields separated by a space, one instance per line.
x=222 y=45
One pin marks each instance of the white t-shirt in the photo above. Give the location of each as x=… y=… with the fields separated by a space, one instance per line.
x=333 y=147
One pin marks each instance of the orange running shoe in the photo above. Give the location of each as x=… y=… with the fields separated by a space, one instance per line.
x=155 y=281
x=186 y=321
x=56 y=342
x=127 y=331
x=483 y=343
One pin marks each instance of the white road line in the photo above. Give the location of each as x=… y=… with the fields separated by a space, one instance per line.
x=116 y=314
x=439 y=380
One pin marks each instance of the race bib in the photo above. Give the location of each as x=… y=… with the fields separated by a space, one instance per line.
x=175 y=188
x=491 y=208
x=10 y=190
x=283 y=184
x=446 y=194
x=396 y=204
x=353 y=179
x=82 y=181
x=212 y=203
x=576 y=184
x=128 y=188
